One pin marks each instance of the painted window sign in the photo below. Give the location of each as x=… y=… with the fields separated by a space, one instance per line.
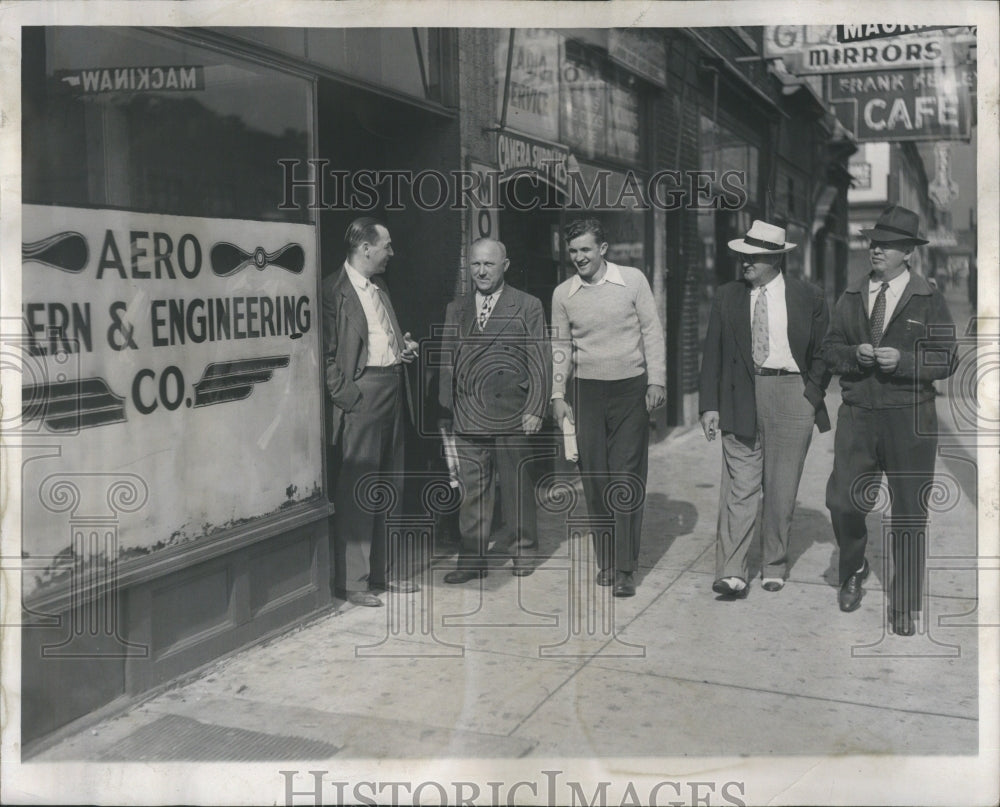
x=178 y=348
x=159 y=78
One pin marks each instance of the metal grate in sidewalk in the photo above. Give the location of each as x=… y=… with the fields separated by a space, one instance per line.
x=180 y=738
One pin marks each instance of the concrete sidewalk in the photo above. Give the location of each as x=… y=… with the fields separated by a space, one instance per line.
x=550 y=666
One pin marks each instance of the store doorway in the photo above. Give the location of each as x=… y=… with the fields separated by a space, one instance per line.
x=533 y=238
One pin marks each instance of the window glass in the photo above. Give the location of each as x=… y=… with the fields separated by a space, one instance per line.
x=118 y=118
x=565 y=91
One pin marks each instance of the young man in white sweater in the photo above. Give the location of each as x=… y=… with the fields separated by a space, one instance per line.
x=607 y=335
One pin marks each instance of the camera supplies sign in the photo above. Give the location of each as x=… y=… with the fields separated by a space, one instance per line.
x=180 y=352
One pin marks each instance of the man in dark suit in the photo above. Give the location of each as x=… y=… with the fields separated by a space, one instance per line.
x=494 y=389
x=762 y=384
x=367 y=389
x=890 y=338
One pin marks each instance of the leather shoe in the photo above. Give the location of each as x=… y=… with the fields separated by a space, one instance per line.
x=902 y=623
x=464 y=575
x=850 y=591
x=624 y=585
x=605 y=577
x=402 y=586
x=729 y=591
x=522 y=569
x=365 y=598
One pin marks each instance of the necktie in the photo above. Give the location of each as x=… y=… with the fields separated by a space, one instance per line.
x=484 y=312
x=759 y=330
x=878 y=315
x=383 y=318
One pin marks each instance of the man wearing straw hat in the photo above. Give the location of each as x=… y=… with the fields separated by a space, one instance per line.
x=762 y=385
x=890 y=338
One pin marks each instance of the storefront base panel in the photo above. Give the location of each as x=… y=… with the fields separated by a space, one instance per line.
x=168 y=626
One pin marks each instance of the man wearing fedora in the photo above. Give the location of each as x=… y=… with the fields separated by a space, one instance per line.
x=762 y=385
x=890 y=338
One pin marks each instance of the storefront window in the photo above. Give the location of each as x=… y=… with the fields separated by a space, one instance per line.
x=118 y=118
x=169 y=306
x=722 y=149
x=565 y=91
x=533 y=100
x=407 y=60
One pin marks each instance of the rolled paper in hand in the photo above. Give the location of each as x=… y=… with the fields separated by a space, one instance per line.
x=569 y=440
x=450 y=456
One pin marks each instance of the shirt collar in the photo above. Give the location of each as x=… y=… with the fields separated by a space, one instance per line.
x=612 y=274
x=776 y=285
x=358 y=280
x=896 y=285
x=494 y=295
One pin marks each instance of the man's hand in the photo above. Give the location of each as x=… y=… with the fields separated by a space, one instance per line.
x=560 y=410
x=887 y=358
x=710 y=424
x=410 y=348
x=866 y=355
x=655 y=396
x=530 y=423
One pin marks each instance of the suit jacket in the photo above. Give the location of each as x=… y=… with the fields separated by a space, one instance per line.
x=920 y=328
x=345 y=347
x=490 y=378
x=727 y=379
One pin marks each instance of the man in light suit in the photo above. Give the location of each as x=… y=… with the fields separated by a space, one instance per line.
x=763 y=381
x=367 y=389
x=494 y=390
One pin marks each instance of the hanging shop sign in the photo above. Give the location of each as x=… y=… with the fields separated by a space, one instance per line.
x=861 y=175
x=640 y=51
x=943 y=190
x=904 y=104
x=865 y=32
x=812 y=49
x=182 y=350
x=518 y=154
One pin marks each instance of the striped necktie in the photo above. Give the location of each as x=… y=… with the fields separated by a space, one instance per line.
x=383 y=317
x=878 y=315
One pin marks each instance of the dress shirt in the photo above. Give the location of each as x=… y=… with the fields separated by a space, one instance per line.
x=379 y=352
x=779 y=355
x=892 y=294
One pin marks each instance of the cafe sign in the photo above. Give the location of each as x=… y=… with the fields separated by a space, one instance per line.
x=894 y=105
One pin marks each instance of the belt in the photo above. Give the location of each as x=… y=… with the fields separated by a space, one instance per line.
x=773 y=371
x=376 y=370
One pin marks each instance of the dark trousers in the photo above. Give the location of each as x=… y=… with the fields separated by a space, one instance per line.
x=481 y=460
x=902 y=444
x=612 y=433
x=371 y=443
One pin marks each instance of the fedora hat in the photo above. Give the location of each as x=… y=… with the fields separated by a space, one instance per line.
x=896 y=224
x=762 y=239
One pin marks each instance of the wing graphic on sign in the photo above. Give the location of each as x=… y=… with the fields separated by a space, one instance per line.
x=71 y=405
x=227 y=259
x=234 y=380
x=67 y=251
